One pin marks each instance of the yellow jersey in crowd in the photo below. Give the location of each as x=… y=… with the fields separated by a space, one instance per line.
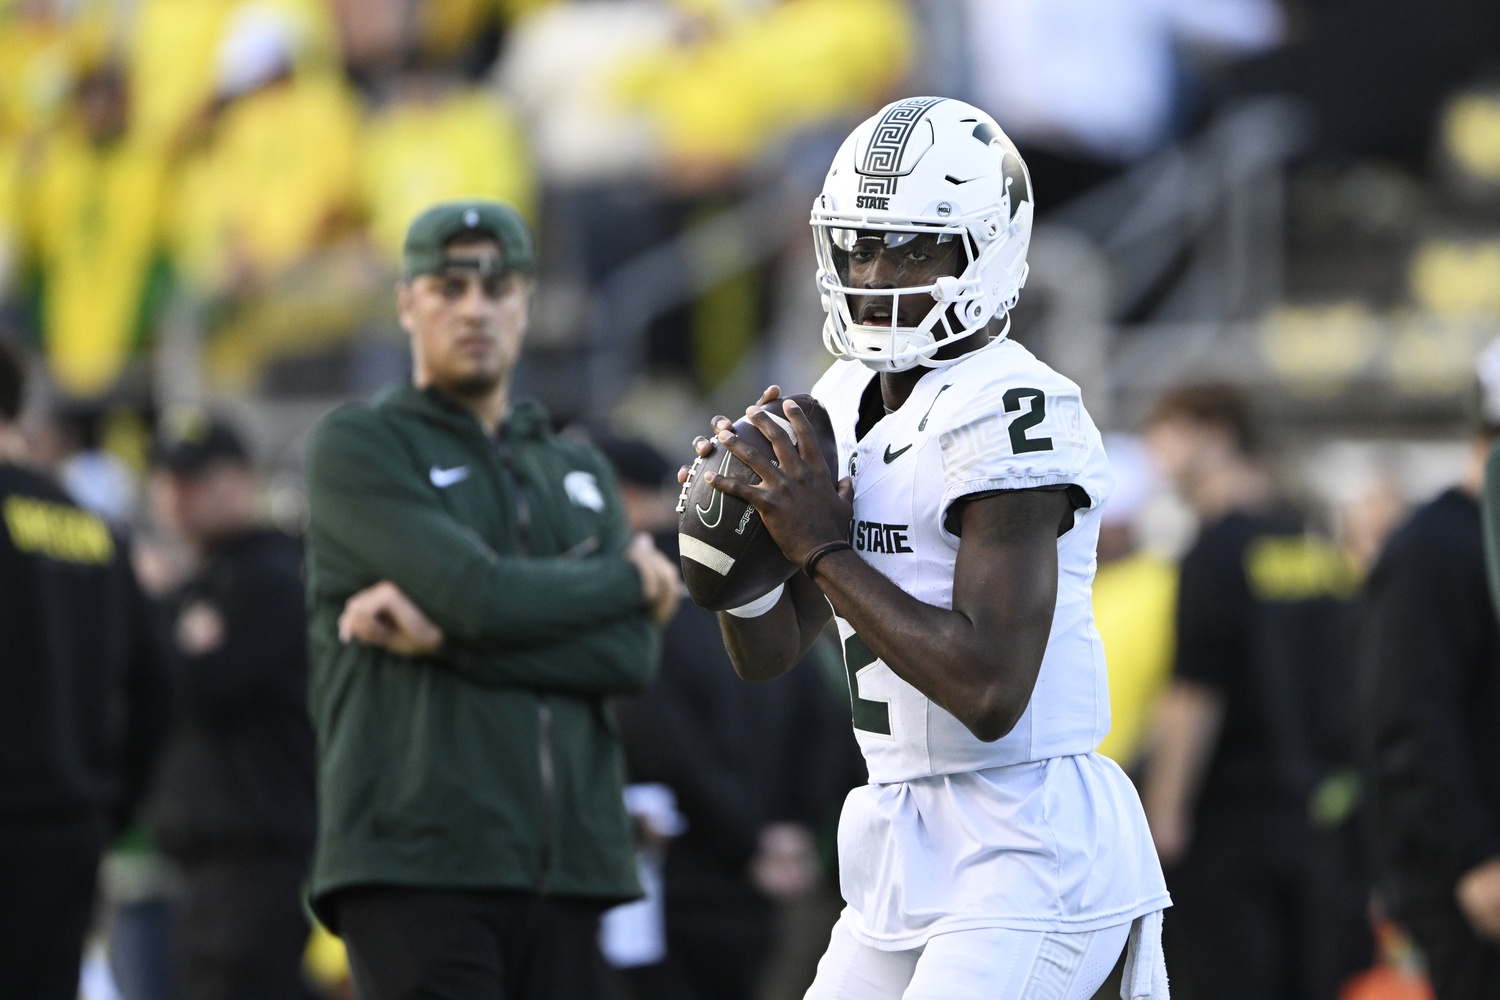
x=1135 y=603
x=96 y=233
x=280 y=171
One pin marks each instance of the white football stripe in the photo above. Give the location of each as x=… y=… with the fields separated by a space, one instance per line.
x=701 y=552
x=785 y=425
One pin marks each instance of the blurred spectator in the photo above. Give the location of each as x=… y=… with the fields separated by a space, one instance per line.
x=692 y=92
x=38 y=49
x=377 y=36
x=1249 y=792
x=233 y=800
x=721 y=95
x=435 y=141
x=175 y=59
x=171 y=46
x=83 y=703
x=1430 y=709
x=96 y=236
x=1085 y=86
x=752 y=768
x=277 y=179
x=558 y=70
x=1135 y=596
x=649 y=115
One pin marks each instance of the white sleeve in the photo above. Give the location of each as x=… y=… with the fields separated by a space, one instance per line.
x=838 y=390
x=1016 y=437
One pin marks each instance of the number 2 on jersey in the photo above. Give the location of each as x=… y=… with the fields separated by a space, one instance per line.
x=1019 y=442
x=870 y=716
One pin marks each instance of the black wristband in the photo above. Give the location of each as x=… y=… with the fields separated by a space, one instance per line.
x=818 y=553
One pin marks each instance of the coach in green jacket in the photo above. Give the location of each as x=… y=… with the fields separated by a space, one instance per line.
x=475 y=598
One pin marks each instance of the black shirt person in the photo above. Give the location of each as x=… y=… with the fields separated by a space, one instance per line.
x=233 y=803
x=1249 y=789
x=83 y=702
x=1430 y=706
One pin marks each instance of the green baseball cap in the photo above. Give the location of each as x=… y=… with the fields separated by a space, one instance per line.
x=429 y=233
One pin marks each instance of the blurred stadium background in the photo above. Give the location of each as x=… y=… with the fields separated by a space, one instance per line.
x=201 y=202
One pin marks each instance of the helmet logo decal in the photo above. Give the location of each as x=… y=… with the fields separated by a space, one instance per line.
x=1010 y=165
x=888 y=143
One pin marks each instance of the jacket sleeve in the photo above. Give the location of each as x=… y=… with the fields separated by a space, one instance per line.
x=381 y=517
x=613 y=658
x=616 y=658
x=1427 y=785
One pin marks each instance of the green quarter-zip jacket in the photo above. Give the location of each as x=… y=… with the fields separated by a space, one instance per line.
x=495 y=763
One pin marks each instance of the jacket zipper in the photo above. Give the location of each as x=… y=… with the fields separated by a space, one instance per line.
x=545 y=764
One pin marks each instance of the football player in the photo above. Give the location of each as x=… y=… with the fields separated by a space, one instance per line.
x=993 y=854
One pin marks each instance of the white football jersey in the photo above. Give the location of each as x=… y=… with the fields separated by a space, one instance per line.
x=998 y=419
x=1034 y=831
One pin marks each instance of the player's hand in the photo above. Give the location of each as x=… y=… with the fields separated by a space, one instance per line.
x=661 y=583
x=772 y=392
x=384 y=616
x=703 y=447
x=1478 y=894
x=785 y=865
x=796 y=497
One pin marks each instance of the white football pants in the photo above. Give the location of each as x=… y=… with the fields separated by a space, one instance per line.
x=988 y=963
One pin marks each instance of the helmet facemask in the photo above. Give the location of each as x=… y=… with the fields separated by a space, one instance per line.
x=897 y=294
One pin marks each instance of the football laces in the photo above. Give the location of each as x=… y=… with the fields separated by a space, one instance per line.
x=687 y=484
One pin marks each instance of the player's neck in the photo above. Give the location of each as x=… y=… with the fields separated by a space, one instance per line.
x=896 y=387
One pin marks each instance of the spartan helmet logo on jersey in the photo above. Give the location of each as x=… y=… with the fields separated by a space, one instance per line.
x=921 y=232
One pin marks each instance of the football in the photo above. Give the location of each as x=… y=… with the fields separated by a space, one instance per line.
x=728 y=556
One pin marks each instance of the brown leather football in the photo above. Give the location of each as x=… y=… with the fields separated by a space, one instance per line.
x=728 y=556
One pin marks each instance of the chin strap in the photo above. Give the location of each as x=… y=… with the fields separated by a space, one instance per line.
x=944 y=363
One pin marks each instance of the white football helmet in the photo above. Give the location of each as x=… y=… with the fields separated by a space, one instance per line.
x=933 y=167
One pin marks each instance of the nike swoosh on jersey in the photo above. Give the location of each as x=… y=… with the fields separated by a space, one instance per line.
x=444 y=478
x=923 y=425
x=715 y=508
x=891 y=456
